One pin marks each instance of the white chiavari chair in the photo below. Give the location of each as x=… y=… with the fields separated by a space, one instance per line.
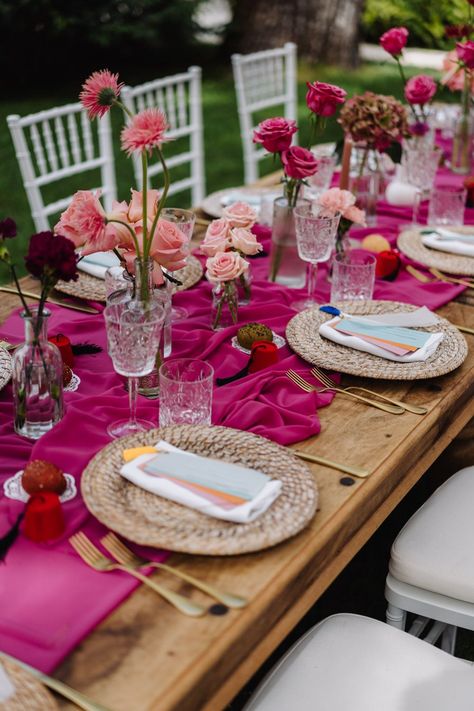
x=56 y=144
x=263 y=80
x=179 y=96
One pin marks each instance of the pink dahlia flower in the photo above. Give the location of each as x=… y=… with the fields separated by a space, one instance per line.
x=145 y=131
x=84 y=222
x=99 y=92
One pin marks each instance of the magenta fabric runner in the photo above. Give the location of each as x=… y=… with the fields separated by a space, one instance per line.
x=50 y=600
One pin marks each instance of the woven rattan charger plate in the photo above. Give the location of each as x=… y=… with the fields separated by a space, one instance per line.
x=148 y=519
x=303 y=337
x=409 y=242
x=30 y=694
x=93 y=289
x=5 y=367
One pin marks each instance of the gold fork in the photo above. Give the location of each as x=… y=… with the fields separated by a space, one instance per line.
x=307 y=387
x=449 y=279
x=326 y=380
x=95 y=559
x=125 y=556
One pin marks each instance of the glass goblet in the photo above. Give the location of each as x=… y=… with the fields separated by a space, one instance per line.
x=185 y=220
x=420 y=162
x=133 y=338
x=315 y=239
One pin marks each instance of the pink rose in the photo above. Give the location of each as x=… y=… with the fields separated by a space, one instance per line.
x=244 y=241
x=169 y=247
x=225 y=266
x=217 y=237
x=394 y=40
x=420 y=89
x=299 y=163
x=84 y=222
x=135 y=210
x=275 y=134
x=356 y=215
x=336 y=200
x=122 y=233
x=465 y=52
x=323 y=99
x=240 y=215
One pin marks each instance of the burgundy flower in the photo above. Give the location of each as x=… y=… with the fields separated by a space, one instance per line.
x=458 y=31
x=275 y=134
x=394 y=40
x=299 y=163
x=7 y=228
x=323 y=99
x=420 y=128
x=465 y=52
x=51 y=257
x=420 y=89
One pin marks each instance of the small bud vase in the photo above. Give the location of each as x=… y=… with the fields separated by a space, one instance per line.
x=244 y=287
x=37 y=379
x=225 y=304
x=286 y=267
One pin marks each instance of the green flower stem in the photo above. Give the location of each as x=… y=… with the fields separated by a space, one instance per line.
x=126 y=111
x=132 y=232
x=144 y=202
x=161 y=204
x=404 y=80
x=20 y=293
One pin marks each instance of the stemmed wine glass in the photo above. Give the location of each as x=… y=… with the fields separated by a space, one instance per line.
x=420 y=162
x=185 y=220
x=133 y=338
x=315 y=239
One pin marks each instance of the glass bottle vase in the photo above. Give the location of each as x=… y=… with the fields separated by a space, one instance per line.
x=244 y=287
x=225 y=305
x=461 y=157
x=286 y=267
x=37 y=379
x=367 y=180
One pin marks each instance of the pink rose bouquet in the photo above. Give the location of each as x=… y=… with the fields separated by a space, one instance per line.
x=134 y=230
x=223 y=270
x=334 y=201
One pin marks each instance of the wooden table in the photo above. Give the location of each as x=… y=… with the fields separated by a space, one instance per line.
x=146 y=655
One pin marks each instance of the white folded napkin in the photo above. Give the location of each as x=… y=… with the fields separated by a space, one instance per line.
x=419 y=317
x=243 y=513
x=447 y=241
x=7 y=687
x=97 y=264
x=250 y=198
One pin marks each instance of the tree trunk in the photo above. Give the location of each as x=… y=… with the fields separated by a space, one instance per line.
x=324 y=30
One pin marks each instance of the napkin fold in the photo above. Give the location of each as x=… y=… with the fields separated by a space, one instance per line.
x=7 y=688
x=250 y=198
x=233 y=479
x=97 y=264
x=447 y=241
x=404 y=319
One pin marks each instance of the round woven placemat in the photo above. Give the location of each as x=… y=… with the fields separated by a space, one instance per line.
x=5 y=367
x=409 y=242
x=148 y=519
x=93 y=289
x=29 y=695
x=303 y=337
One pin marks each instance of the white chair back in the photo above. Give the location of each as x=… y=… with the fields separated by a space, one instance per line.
x=56 y=144
x=179 y=96
x=263 y=80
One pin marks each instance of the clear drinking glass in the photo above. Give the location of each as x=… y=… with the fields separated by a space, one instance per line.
x=185 y=220
x=353 y=276
x=133 y=337
x=447 y=205
x=316 y=238
x=321 y=180
x=420 y=162
x=118 y=284
x=186 y=392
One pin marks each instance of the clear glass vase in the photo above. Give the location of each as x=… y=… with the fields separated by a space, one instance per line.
x=461 y=157
x=225 y=305
x=286 y=267
x=367 y=180
x=37 y=379
x=244 y=287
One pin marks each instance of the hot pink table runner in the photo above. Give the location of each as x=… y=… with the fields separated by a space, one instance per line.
x=49 y=600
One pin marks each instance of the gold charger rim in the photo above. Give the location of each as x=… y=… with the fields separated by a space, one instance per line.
x=409 y=242
x=147 y=519
x=93 y=289
x=303 y=337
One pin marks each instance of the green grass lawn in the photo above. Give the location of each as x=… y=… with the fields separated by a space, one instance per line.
x=223 y=150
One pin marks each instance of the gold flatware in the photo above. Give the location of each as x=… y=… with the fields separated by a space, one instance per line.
x=58 y=686
x=450 y=279
x=307 y=387
x=418 y=275
x=52 y=300
x=326 y=380
x=125 y=556
x=346 y=468
x=464 y=329
x=95 y=559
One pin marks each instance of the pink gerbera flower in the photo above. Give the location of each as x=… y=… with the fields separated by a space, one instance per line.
x=145 y=131
x=99 y=92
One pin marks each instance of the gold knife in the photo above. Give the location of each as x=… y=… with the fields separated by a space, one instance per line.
x=53 y=300
x=464 y=329
x=75 y=696
x=354 y=471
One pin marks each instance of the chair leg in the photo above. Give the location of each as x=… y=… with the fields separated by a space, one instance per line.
x=448 y=640
x=396 y=617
